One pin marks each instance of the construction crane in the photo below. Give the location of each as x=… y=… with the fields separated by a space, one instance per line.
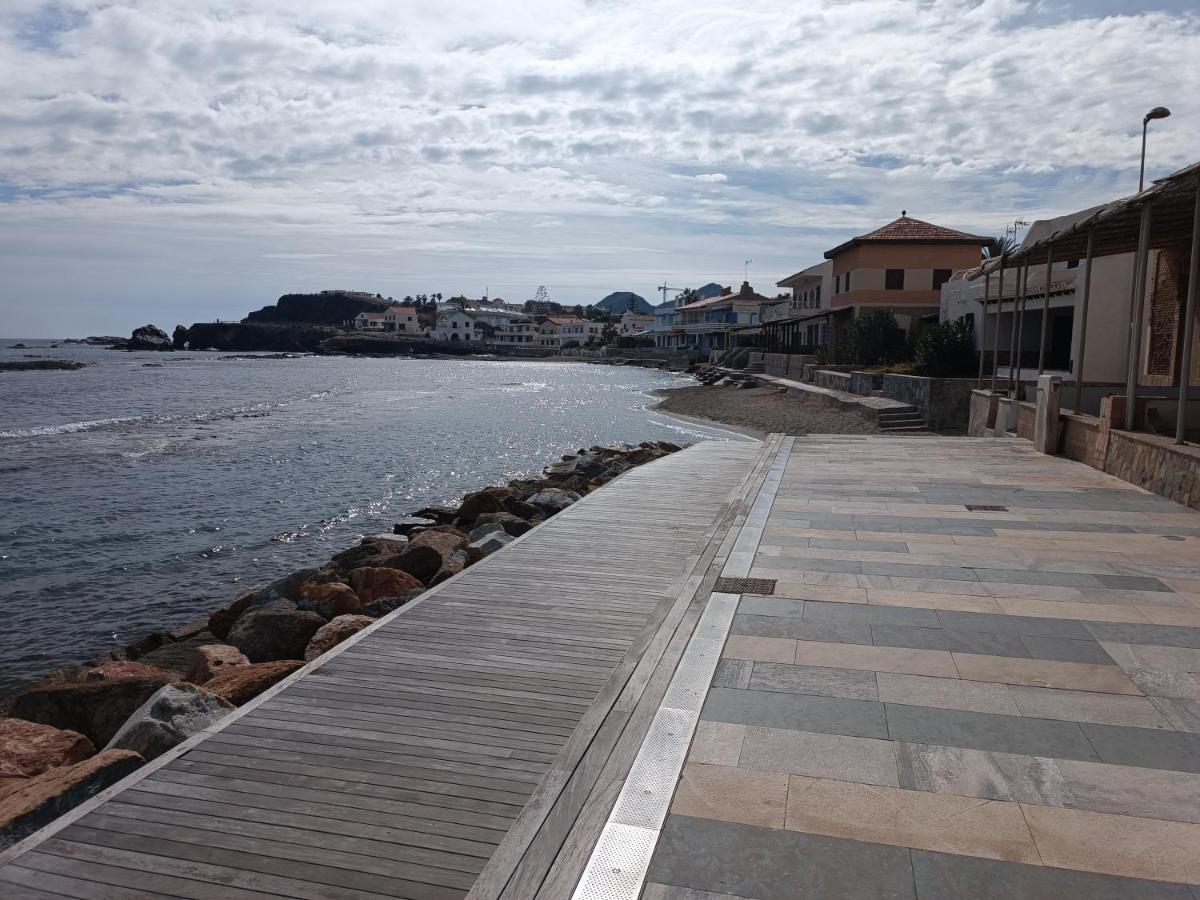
x=664 y=287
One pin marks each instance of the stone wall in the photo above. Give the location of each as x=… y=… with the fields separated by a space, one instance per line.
x=865 y=383
x=1078 y=437
x=1156 y=465
x=783 y=365
x=1026 y=419
x=945 y=402
x=983 y=414
x=828 y=378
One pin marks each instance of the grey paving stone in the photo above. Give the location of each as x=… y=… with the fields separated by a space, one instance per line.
x=871 y=615
x=902 y=570
x=1184 y=715
x=771 y=864
x=1065 y=649
x=1132 y=583
x=989 y=731
x=656 y=891
x=1029 y=576
x=1161 y=635
x=990 y=643
x=819 y=755
x=953 y=770
x=1148 y=748
x=1129 y=791
x=800 y=712
x=845 y=566
x=771 y=606
x=943 y=876
x=877 y=546
x=802 y=630
x=851 y=684
x=733 y=673
x=973 y=621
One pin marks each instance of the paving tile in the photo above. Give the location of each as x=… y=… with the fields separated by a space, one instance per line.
x=1029 y=576
x=656 y=891
x=1149 y=656
x=731 y=795
x=839 y=756
x=1088 y=706
x=943 y=876
x=1044 y=673
x=853 y=684
x=824 y=592
x=741 y=646
x=1024 y=625
x=887 y=815
x=1065 y=609
x=717 y=743
x=1161 y=635
x=918 y=599
x=904 y=570
x=951 y=770
x=834 y=544
x=1129 y=791
x=1184 y=715
x=767 y=864
x=733 y=673
x=771 y=606
x=1132 y=583
x=871 y=615
x=875 y=659
x=1125 y=746
x=800 y=712
x=802 y=630
x=982 y=642
x=946 y=693
x=989 y=731
x=1116 y=845
x=1065 y=649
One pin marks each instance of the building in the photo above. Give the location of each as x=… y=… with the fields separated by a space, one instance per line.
x=369 y=321
x=455 y=324
x=632 y=323
x=711 y=324
x=402 y=320
x=800 y=325
x=667 y=333
x=556 y=331
x=518 y=332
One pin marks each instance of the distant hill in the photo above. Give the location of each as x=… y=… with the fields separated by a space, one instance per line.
x=331 y=308
x=712 y=289
x=620 y=301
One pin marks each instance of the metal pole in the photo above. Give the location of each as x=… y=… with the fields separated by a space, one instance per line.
x=996 y=336
x=987 y=284
x=1021 y=323
x=1136 y=304
x=1045 y=311
x=1014 y=357
x=1189 y=322
x=1142 y=169
x=1083 y=314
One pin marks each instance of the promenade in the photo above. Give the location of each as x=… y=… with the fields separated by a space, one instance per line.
x=819 y=667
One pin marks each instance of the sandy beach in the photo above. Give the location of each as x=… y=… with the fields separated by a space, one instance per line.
x=762 y=411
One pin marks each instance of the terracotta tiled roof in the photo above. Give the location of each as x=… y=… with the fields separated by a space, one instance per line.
x=908 y=229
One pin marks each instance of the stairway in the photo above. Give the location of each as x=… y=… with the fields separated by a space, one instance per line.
x=903 y=418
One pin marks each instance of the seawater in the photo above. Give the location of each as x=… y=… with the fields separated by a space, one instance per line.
x=147 y=489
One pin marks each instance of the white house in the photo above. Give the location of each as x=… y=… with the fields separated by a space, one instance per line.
x=634 y=323
x=402 y=319
x=369 y=321
x=559 y=330
x=518 y=331
x=455 y=324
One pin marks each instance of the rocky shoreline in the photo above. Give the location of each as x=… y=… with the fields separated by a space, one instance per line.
x=71 y=735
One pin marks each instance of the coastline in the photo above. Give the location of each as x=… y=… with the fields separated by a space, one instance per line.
x=661 y=408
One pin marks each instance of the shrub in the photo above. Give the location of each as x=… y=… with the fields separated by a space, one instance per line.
x=947 y=349
x=877 y=339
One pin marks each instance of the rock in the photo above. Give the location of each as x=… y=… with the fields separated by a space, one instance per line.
x=669 y=447
x=420 y=561
x=96 y=709
x=368 y=552
x=220 y=622
x=27 y=806
x=385 y=605
x=491 y=542
x=522 y=510
x=291 y=587
x=329 y=600
x=443 y=515
x=333 y=633
x=553 y=500
x=30 y=748
x=170 y=717
x=486 y=501
x=408 y=523
x=270 y=634
x=124 y=669
x=211 y=660
x=514 y=525
x=443 y=539
x=243 y=683
x=148 y=337
x=371 y=584
x=453 y=564
x=146 y=644
x=479 y=532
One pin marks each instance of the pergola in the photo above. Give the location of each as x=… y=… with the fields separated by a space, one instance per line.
x=1166 y=214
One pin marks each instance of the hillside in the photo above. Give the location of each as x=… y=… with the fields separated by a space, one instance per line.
x=620 y=301
x=332 y=308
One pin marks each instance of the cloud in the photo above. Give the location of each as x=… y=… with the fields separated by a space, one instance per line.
x=405 y=148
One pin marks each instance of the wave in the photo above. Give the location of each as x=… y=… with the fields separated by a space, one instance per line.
x=116 y=422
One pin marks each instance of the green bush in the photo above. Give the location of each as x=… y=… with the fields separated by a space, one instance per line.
x=947 y=349
x=876 y=339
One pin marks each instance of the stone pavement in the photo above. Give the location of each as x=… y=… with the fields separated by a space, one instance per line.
x=946 y=702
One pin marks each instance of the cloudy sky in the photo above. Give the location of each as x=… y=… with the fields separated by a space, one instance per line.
x=170 y=161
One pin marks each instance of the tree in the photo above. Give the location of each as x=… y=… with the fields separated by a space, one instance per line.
x=541 y=295
x=876 y=339
x=609 y=334
x=998 y=246
x=947 y=349
x=684 y=297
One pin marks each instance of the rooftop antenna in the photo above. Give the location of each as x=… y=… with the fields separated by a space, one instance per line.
x=746 y=271
x=1012 y=229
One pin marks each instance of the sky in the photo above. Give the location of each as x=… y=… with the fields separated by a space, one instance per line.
x=173 y=161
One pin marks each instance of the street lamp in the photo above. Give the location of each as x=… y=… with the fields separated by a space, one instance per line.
x=1159 y=112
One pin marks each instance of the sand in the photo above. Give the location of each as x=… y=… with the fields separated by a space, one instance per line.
x=764 y=410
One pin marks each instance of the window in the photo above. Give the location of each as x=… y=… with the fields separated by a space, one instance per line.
x=1072 y=264
x=940 y=277
x=893 y=279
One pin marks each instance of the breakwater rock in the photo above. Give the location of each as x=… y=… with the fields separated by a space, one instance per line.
x=148 y=337
x=35 y=365
x=245 y=337
x=164 y=688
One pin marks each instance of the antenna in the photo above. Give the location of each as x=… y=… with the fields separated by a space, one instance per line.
x=746 y=270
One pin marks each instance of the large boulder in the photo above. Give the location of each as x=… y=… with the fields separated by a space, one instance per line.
x=96 y=709
x=211 y=660
x=420 y=561
x=220 y=622
x=30 y=748
x=149 y=337
x=522 y=509
x=170 y=717
x=451 y=566
x=333 y=633
x=26 y=806
x=124 y=668
x=490 y=542
x=385 y=605
x=368 y=553
x=371 y=584
x=475 y=504
x=552 y=500
x=514 y=525
x=329 y=600
x=409 y=524
x=270 y=634
x=243 y=683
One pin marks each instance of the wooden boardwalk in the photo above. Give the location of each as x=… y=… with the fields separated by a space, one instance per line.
x=468 y=743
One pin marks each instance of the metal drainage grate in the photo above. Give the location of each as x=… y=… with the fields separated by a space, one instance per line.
x=977 y=507
x=764 y=586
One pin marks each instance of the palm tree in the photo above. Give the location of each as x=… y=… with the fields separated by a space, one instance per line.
x=1000 y=246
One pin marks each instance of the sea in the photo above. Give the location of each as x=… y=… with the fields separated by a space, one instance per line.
x=147 y=489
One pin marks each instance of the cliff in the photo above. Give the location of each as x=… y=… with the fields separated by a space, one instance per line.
x=316 y=309
x=248 y=336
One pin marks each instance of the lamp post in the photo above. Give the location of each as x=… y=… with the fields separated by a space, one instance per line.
x=1159 y=112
